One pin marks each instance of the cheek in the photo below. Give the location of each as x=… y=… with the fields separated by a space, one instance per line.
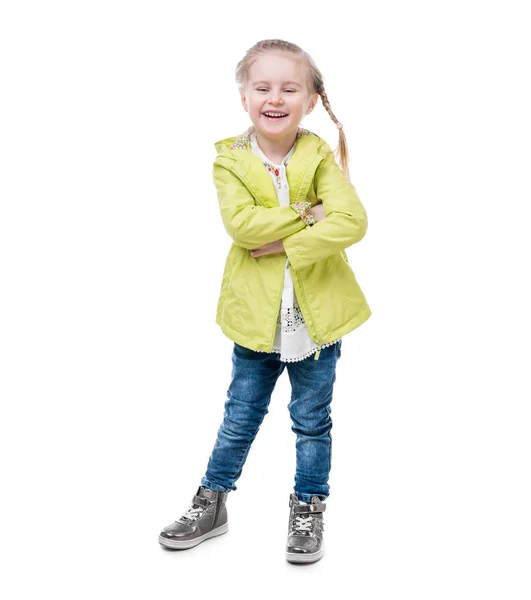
x=295 y=106
x=254 y=106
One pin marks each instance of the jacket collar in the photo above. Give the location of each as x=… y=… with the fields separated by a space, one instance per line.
x=250 y=169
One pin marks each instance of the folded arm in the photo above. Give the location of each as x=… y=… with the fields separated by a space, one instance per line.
x=346 y=219
x=249 y=225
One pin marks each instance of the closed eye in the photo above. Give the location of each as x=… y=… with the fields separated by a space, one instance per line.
x=265 y=90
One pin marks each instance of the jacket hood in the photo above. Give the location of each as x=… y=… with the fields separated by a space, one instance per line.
x=225 y=143
x=236 y=155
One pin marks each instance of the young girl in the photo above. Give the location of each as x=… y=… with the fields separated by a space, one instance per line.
x=288 y=294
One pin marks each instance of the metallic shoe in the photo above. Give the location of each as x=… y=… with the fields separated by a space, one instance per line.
x=205 y=518
x=305 y=530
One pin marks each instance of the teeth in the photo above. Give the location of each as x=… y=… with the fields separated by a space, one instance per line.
x=268 y=114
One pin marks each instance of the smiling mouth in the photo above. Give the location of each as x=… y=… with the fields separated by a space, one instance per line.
x=273 y=116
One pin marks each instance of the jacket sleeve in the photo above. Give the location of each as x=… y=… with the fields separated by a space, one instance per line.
x=345 y=222
x=249 y=225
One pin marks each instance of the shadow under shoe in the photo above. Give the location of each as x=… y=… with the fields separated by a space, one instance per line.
x=205 y=518
x=305 y=530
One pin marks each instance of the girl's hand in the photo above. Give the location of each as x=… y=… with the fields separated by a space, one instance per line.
x=271 y=248
x=318 y=212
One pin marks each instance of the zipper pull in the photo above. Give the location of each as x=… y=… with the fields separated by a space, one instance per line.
x=316 y=357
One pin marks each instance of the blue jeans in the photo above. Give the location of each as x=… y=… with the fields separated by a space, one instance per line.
x=254 y=375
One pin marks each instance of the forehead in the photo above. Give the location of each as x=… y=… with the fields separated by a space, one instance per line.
x=277 y=68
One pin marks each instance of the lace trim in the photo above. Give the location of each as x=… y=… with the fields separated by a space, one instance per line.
x=290 y=318
x=309 y=353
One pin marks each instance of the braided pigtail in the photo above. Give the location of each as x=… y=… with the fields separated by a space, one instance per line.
x=342 y=148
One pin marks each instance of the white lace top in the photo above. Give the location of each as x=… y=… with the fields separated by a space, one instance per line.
x=292 y=340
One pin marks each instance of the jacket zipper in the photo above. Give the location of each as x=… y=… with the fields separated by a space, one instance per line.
x=320 y=344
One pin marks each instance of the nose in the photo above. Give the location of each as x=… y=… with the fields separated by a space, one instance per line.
x=275 y=98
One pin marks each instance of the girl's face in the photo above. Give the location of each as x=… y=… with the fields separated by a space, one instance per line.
x=277 y=83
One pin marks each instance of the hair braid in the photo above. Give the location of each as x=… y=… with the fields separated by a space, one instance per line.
x=342 y=147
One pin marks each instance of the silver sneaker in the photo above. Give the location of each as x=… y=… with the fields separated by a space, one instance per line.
x=205 y=518
x=305 y=530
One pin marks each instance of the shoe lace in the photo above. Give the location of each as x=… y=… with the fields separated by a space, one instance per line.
x=303 y=524
x=193 y=513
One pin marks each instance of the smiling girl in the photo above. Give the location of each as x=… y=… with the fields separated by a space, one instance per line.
x=288 y=293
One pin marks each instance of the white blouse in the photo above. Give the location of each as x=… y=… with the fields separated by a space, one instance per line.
x=292 y=340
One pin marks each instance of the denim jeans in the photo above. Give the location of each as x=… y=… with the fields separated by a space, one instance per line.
x=254 y=375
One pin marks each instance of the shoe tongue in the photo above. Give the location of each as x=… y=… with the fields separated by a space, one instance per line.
x=207 y=493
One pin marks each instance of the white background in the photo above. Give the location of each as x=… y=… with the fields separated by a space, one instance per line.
x=114 y=373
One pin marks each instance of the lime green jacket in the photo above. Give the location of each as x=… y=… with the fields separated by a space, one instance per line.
x=328 y=294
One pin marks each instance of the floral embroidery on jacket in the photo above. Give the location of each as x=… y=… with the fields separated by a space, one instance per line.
x=243 y=142
x=304 y=209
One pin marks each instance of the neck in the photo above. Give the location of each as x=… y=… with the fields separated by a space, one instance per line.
x=274 y=149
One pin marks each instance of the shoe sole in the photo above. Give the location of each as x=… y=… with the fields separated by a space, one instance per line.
x=184 y=544
x=304 y=557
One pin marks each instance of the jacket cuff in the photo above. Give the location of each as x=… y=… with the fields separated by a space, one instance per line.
x=303 y=209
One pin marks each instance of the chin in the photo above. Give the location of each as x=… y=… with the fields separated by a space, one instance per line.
x=272 y=128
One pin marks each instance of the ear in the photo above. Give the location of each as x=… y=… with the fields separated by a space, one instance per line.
x=313 y=101
x=243 y=100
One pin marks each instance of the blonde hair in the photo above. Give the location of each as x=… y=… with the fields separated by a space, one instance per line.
x=314 y=84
